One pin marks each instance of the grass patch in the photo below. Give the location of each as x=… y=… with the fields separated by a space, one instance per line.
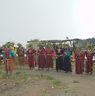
x=20 y=76
x=56 y=83
x=50 y=78
x=3 y=74
x=44 y=93
x=75 y=81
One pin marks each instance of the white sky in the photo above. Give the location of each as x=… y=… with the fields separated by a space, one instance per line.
x=22 y=20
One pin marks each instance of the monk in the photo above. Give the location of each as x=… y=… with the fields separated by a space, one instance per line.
x=20 y=53
x=82 y=58
x=31 y=57
x=89 y=62
x=78 y=62
x=41 y=58
x=49 y=58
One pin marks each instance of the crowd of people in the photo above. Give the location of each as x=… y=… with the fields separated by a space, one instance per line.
x=44 y=57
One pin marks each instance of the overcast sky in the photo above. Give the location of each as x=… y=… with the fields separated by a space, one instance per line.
x=22 y=20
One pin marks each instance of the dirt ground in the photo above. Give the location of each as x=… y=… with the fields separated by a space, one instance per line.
x=46 y=83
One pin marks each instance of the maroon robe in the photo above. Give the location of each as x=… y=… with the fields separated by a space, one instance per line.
x=49 y=58
x=42 y=58
x=31 y=57
x=89 y=63
x=82 y=58
x=78 y=63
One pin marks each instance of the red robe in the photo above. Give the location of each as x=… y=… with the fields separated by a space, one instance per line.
x=78 y=63
x=31 y=59
x=42 y=58
x=49 y=58
x=82 y=58
x=53 y=54
x=89 y=63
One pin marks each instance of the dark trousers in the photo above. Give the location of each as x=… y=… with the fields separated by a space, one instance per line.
x=59 y=63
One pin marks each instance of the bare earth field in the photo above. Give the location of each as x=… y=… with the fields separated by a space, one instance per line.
x=46 y=83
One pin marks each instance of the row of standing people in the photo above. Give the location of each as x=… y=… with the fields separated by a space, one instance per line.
x=43 y=58
x=46 y=57
x=9 y=56
x=63 y=59
x=84 y=61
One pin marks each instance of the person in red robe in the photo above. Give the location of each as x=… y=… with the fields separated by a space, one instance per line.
x=41 y=58
x=89 y=62
x=31 y=57
x=82 y=58
x=49 y=58
x=78 y=62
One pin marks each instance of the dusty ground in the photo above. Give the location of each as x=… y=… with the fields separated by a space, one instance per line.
x=46 y=83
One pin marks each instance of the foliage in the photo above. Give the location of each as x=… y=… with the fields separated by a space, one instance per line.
x=9 y=44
